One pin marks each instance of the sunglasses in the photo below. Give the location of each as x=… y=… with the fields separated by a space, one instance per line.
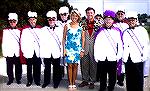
x=98 y=18
x=12 y=21
x=51 y=19
x=64 y=14
x=120 y=13
x=131 y=20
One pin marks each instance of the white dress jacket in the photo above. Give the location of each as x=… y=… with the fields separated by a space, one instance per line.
x=30 y=42
x=108 y=44
x=10 y=42
x=51 y=42
x=135 y=44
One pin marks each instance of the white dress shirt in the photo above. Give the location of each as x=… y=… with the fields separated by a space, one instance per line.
x=103 y=47
x=138 y=49
x=10 y=42
x=30 y=42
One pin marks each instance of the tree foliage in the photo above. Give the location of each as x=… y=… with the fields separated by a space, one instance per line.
x=21 y=7
x=142 y=18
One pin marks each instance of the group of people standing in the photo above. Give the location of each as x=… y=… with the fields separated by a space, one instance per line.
x=113 y=45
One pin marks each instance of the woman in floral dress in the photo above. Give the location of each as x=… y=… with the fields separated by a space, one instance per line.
x=73 y=45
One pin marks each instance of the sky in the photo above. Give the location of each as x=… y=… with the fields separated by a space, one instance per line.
x=140 y=6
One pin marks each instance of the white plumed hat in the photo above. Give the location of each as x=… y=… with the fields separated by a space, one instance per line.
x=131 y=14
x=120 y=9
x=63 y=9
x=12 y=16
x=51 y=14
x=32 y=14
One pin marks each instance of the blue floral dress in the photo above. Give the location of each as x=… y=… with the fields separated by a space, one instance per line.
x=73 y=44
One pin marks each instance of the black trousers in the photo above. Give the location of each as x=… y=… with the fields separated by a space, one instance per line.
x=120 y=77
x=56 y=71
x=107 y=67
x=134 y=76
x=34 y=64
x=18 y=68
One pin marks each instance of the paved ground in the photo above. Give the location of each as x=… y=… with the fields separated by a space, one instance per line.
x=62 y=87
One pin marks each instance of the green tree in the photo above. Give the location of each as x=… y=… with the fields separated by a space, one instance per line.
x=21 y=7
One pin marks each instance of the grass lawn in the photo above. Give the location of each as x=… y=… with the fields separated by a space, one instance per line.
x=148 y=30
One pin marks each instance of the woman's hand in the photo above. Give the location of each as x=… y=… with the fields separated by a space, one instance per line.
x=65 y=52
x=81 y=54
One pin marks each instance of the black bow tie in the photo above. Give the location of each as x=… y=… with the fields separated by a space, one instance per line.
x=131 y=27
x=64 y=21
x=32 y=26
x=108 y=27
x=52 y=28
x=13 y=27
x=120 y=21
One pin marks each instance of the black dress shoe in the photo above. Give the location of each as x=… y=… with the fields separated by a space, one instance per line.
x=9 y=82
x=38 y=84
x=110 y=88
x=55 y=86
x=44 y=85
x=84 y=83
x=91 y=86
x=102 y=89
x=28 y=84
x=18 y=82
x=120 y=83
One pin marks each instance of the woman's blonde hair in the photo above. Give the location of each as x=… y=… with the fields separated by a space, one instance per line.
x=77 y=12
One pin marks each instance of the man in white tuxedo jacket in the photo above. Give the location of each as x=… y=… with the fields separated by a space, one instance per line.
x=50 y=49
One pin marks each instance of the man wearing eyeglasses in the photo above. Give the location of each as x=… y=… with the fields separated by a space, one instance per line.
x=107 y=51
x=31 y=49
x=121 y=23
x=100 y=19
x=135 y=52
x=64 y=16
x=50 y=49
x=11 y=49
x=64 y=19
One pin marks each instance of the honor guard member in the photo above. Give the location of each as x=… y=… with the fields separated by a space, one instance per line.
x=121 y=23
x=107 y=50
x=64 y=19
x=64 y=16
x=87 y=63
x=31 y=49
x=136 y=41
x=50 y=41
x=11 y=47
x=100 y=19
